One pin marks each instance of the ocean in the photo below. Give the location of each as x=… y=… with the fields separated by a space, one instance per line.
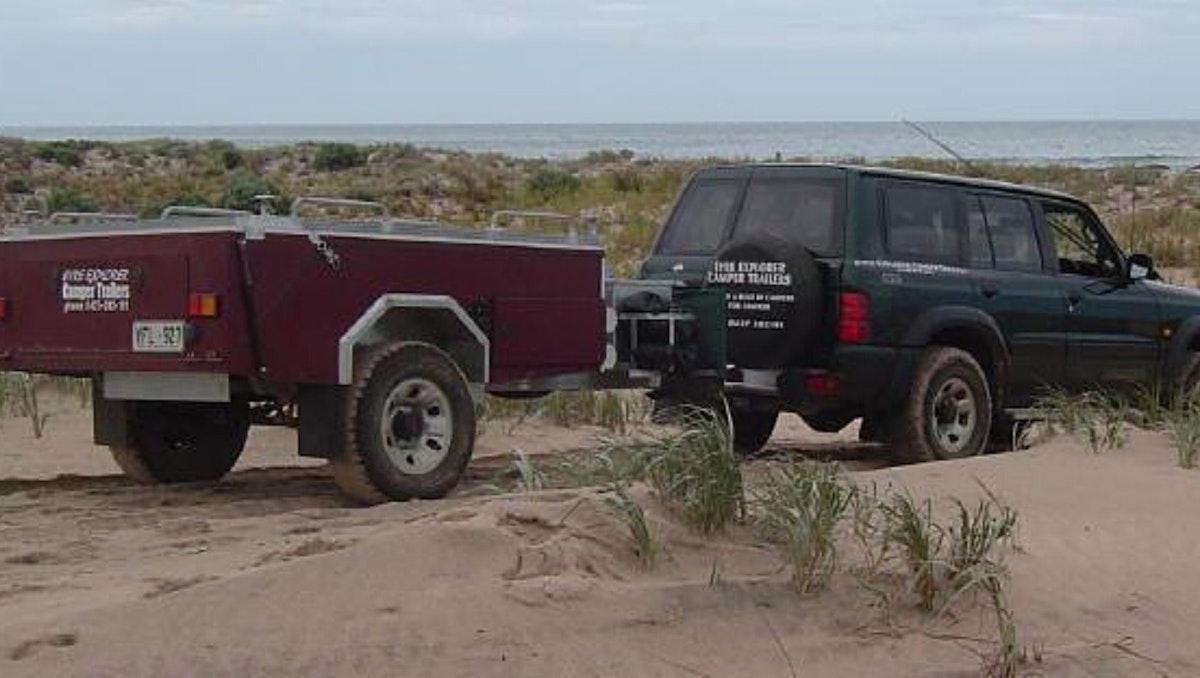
x=1173 y=143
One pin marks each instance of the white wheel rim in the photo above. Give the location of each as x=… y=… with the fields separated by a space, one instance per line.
x=417 y=426
x=952 y=416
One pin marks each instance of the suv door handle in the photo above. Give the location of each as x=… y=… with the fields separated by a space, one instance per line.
x=1073 y=299
x=989 y=289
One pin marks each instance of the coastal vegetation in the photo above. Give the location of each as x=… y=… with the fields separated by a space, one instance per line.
x=624 y=195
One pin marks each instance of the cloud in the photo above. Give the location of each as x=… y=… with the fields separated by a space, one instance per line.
x=738 y=23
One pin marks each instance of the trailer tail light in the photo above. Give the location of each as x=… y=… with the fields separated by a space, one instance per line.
x=854 y=317
x=202 y=305
x=3 y=308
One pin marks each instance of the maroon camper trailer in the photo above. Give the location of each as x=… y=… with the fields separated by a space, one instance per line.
x=376 y=338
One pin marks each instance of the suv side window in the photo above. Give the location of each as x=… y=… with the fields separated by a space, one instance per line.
x=1014 y=239
x=700 y=220
x=800 y=209
x=920 y=222
x=1080 y=247
x=979 y=245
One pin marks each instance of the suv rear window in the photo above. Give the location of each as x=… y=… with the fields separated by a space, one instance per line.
x=921 y=222
x=1014 y=241
x=699 y=222
x=799 y=210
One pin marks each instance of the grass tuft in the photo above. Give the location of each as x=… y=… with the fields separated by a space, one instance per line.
x=801 y=505
x=529 y=477
x=910 y=526
x=1183 y=424
x=696 y=472
x=1096 y=420
x=629 y=511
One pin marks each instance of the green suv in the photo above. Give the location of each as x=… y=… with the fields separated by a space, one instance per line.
x=933 y=307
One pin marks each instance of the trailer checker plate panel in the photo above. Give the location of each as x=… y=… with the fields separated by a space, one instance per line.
x=158 y=336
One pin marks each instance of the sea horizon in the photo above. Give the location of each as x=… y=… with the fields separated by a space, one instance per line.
x=1174 y=143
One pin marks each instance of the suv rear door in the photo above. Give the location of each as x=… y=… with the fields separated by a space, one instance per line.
x=921 y=255
x=1014 y=288
x=1112 y=323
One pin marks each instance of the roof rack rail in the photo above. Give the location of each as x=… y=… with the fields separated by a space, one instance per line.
x=338 y=202
x=90 y=216
x=192 y=211
x=501 y=217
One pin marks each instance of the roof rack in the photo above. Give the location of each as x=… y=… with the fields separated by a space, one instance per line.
x=339 y=202
x=191 y=211
x=77 y=217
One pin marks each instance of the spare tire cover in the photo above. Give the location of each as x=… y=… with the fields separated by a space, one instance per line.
x=773 y=300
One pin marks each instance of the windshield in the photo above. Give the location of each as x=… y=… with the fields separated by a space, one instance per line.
x=804 y=210
x=699 y=222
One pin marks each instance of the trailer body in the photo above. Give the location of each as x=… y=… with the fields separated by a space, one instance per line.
x=376 y=338
x=283 y=295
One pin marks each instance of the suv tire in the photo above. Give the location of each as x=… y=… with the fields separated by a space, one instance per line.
x=752 y=429
x=410 y=426
x=949 y=410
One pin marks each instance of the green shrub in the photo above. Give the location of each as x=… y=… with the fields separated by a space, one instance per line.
x=70 y=200
x=549 y=184
x=334 y=157
x=241 y=188
x=17 y=185
x=68 y=153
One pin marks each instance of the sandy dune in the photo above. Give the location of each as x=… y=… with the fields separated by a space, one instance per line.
x=272 y=573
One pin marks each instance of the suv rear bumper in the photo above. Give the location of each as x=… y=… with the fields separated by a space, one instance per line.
x=860 y=377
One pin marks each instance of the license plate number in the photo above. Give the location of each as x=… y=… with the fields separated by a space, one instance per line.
x=158 y=336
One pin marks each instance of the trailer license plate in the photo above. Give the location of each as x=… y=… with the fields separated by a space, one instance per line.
x=158 y=336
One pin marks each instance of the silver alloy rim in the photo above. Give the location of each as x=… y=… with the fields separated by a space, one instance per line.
x=953 y=416
x=417 y=426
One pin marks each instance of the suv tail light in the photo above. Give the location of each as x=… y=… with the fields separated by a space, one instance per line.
x=854 y=317
x=3 y=308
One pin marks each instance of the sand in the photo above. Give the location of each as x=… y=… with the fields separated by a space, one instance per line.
x=272 y=572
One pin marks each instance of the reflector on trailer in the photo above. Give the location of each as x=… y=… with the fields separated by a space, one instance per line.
x=202 y=305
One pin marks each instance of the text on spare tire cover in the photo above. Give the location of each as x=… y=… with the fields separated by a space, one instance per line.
x=753 y=304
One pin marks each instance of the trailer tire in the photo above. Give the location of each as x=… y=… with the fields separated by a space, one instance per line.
x=410 y=426
x=182 y=442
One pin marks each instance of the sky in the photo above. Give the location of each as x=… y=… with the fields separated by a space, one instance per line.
x=210 y=62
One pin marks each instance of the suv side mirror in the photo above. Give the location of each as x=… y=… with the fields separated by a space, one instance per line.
x=1140 y=266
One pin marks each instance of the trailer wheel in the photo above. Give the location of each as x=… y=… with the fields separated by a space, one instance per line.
x=183 y=442
x=410 y=426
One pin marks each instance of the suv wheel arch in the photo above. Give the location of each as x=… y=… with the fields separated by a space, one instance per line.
x=968 y=329
x=1184 y=343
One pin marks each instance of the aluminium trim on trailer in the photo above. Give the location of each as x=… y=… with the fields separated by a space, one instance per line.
x=389 y=301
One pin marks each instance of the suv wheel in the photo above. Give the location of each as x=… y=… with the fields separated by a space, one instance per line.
x=949 y=410
x=752 y=429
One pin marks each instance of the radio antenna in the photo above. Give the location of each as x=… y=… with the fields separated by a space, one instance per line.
x=945 y=147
